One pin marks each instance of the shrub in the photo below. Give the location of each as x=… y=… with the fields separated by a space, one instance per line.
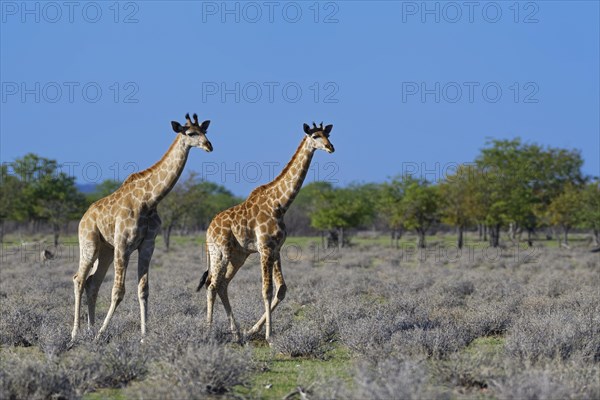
x=549 y=329
x=32 y=379
x=53 y=339
x=437 y=342
x=122 y=363
x=552 y=381
x=19 y=323
x=408 y=322
x=303 y=339
x=393 y=379
x=368 y=335
x=205 y=368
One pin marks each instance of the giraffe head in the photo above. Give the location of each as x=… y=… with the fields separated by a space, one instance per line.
x=319 y=137
x=194 y=134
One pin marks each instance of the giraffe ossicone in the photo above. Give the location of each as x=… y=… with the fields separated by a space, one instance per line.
x=257 y=225
x=115 y=226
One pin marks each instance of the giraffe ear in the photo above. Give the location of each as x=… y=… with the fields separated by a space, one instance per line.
x=177 y=126
x=204 y=125
x=306 y=129
x=328 y=129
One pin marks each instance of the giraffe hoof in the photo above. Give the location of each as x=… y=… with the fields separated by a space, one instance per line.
x=98 y=337
x=248 y=336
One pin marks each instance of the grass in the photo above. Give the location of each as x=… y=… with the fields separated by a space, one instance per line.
x=106 y=394
x=371 y=324
x=489 y=345
x=278 y=375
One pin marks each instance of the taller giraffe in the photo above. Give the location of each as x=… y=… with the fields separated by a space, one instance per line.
x=257 y=225
x=125 y=221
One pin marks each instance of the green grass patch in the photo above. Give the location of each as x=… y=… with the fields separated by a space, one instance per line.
x=279 y=375
x=32 y=352
x=487 y=345
x=106 y=394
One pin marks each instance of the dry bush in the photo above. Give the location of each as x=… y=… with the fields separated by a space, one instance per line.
x=24 y=378
x=409 y=324
x=565 y=328
x=302 y=339
x=201 y=369
x=20 y=318
x=394 y=379
x=548 y=382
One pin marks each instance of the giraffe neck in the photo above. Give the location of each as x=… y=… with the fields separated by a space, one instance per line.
x=290 y=180
x=165 y=173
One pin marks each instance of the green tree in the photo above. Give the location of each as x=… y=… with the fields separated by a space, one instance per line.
x=590 y=209
x=192 y=204
x=504 y=173
x=171 y=211
x=206 y=199
x=37 y=191
x=553 y=169
x=519 y=182
x=297 y=218
x=28 y=170
x=389 y=207
x=11 y=190
x=419 y=206
x=459 y=199
x=341 y=208
x=57 y=200
x=565 y=210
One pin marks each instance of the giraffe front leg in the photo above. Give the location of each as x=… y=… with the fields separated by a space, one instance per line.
x=280 y=290
x=267 y=260
x=87 y=256
x=118 y=290
x=145 y=252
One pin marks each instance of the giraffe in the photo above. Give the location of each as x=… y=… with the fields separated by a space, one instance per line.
x=125 y=221
x=257 y=225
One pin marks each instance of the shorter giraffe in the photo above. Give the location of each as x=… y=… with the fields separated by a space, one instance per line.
x=257 y=225
x=125 y=221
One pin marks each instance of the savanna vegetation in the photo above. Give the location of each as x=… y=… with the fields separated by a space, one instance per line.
x=370 y=321
x=481 y=284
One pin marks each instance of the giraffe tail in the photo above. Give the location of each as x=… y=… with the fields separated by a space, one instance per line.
x=205 y=278
x=202 y=280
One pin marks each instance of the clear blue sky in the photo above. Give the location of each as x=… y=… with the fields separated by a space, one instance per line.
x=406 y=85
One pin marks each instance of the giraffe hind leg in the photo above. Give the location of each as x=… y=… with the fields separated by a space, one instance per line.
x=233 y=326
x=218 y=268
x=237 y=258
x=88 y=253
x=94 y=281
